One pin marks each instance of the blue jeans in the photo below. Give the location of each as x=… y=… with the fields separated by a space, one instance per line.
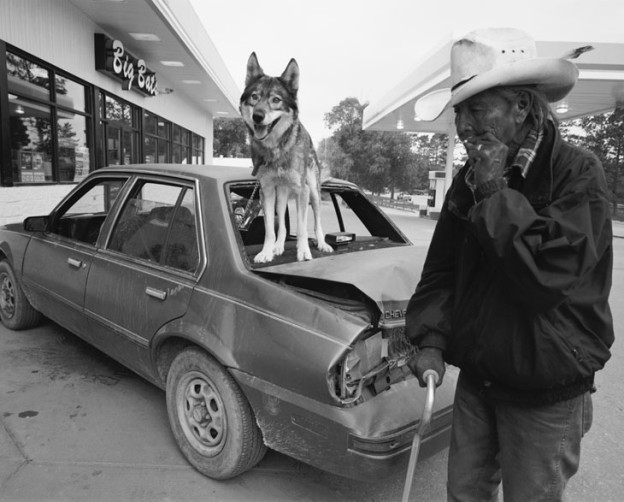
x=533 y=450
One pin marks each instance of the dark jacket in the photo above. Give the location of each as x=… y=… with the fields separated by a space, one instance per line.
x=515 y=287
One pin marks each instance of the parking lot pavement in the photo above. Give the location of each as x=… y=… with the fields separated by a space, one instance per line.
x=77 y=426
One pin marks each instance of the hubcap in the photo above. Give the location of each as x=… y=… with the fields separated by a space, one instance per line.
x=202 y=414
x=7 y=296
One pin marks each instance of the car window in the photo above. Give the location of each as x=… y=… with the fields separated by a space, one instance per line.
x=157 y=224
x=81 y=218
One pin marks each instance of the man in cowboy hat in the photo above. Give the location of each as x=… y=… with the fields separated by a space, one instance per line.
x=515 y=287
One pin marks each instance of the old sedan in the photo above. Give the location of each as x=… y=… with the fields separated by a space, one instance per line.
x=153 y=264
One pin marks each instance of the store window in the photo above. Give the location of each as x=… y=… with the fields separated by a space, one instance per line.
x=157 y=139
x=73 y=152
x=198 y=149
x=31 y=141
x=166 y=142
x=181 y=145
x=49 y=122
x=70 y=94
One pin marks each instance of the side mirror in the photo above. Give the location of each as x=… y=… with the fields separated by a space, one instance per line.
x=36 y=224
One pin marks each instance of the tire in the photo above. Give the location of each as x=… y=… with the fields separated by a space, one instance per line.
x=212 y=421
x=16 y=312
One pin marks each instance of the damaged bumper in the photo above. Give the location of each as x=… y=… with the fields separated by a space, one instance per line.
x=366 y=441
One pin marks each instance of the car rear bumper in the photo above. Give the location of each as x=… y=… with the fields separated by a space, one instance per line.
x=367 y=442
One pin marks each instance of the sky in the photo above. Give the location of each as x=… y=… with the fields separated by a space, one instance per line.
x=363 y=48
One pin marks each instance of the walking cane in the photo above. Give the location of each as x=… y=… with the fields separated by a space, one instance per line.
x=431 y=377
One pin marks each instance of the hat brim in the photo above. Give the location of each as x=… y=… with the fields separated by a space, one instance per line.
x=554 y=77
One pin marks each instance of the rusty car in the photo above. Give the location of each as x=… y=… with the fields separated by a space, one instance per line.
x=153 y=265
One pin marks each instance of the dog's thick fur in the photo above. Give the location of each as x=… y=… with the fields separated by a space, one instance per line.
x=283 y=157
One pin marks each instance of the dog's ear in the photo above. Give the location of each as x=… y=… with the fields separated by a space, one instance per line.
x=291 y=76
x=253 y=69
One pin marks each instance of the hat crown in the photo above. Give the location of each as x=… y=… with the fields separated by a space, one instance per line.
x=485 y=50
x=494 y=57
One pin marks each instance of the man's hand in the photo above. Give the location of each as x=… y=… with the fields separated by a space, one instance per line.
x=425 y=359
x=488 y=156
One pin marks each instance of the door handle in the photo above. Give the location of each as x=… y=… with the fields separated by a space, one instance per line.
x=156 y=293
x=74 y=263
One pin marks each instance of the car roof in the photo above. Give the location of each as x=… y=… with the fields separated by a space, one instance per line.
x=215 y=172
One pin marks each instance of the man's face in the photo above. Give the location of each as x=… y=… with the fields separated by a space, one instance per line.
x=485 y=112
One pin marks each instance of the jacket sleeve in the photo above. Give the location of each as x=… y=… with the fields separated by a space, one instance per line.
x=546 y=254
x=428 y=321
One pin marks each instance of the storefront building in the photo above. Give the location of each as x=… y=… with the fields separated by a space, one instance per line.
x=92 y=83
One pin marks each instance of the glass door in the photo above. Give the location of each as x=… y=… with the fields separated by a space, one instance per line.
x=130 y=144
x=113 y=146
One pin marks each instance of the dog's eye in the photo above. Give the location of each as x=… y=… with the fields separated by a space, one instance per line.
x=276 y=100
x=254 y=96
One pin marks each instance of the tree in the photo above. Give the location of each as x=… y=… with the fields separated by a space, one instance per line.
x=333 y=159
x=604 y=136
x=430 y=156
x=372 y=159
x=230 y=138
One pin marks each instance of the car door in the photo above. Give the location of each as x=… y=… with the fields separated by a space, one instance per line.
x=145 y=275
x=56 y=263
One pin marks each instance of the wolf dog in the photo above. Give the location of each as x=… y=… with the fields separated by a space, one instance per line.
x=283 y=157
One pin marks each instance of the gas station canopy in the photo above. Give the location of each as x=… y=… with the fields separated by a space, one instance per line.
x=600 y=88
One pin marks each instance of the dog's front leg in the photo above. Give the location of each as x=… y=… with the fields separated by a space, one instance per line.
x=303 y=247
x=283 y=194
x=268 y=206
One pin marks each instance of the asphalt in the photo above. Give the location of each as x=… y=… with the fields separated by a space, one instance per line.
x=77 y=426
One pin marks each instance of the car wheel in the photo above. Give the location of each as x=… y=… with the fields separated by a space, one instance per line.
x=211 y=419
x=16 y=312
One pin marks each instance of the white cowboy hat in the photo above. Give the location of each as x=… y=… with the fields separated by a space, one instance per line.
x=492 y=57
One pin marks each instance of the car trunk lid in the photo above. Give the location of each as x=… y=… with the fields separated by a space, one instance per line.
x=386 y=276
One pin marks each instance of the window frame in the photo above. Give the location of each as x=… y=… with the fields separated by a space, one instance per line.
x=55 y=217
x=7 y=175
x=183 y=186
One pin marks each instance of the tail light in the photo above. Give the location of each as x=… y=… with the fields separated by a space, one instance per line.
x=375 y=362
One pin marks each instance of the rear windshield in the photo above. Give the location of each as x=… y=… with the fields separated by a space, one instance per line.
x=351 y=222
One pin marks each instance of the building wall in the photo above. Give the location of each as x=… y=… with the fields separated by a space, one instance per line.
x=18 y=202
x=60 y=34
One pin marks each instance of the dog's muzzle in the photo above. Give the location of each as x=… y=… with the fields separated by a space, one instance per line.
x=262 y=131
